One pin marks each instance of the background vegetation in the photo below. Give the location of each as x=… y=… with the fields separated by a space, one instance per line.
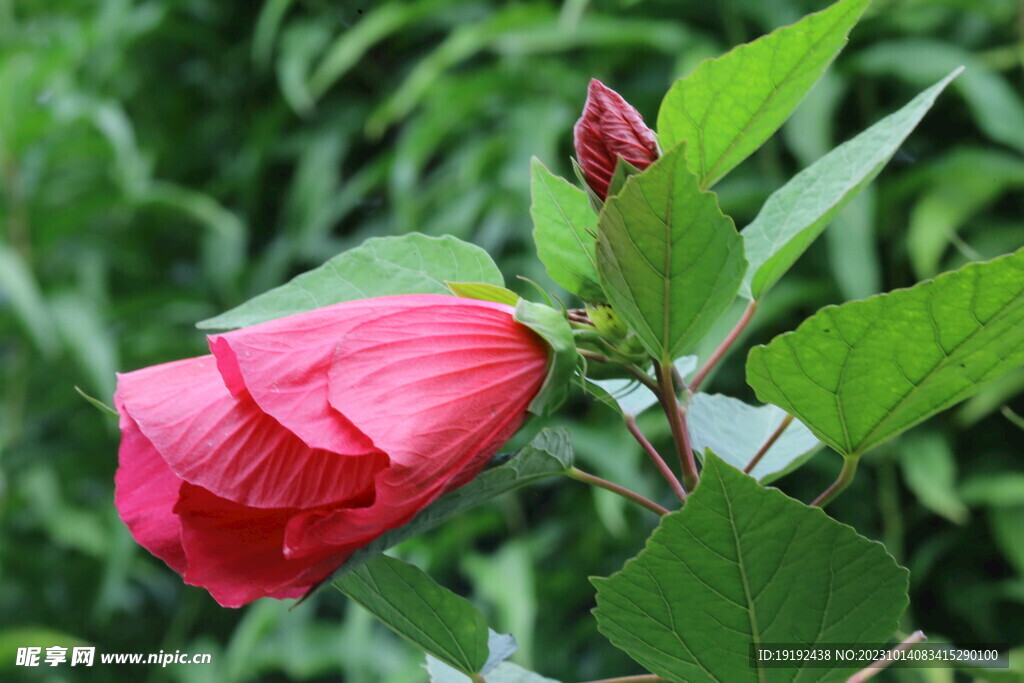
x=163 y=160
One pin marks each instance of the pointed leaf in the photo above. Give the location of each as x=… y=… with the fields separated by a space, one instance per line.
x=564 y=225
x=409 y=264
x=670 y=261
x=549 y=454
x=735 y=431
x=863 y=372
x=739 y=565
x=426 y=614
x=729 y=106
x=795 y=215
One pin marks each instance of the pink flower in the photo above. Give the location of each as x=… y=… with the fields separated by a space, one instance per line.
x=257 y=470
x=608 y=129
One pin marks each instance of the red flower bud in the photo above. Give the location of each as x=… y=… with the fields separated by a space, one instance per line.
x=608 y=129
x=258 y=470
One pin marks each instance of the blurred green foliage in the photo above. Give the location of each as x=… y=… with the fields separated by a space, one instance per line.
x=163 y=160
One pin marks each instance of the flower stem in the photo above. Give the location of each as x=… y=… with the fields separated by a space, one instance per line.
x=638 y=375
x=655 y=457
x=677 y=422
x=729 y=340
x=842 y=481
x=587 y=478
x=768 y=444
x=875 y=667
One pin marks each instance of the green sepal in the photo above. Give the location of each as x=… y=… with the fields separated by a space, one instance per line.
x=484 y=292
x=596 y=203
x=623 y=171
x=552 y=326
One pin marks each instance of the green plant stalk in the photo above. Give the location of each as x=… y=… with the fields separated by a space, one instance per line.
x=638 y=374
x=676 y=415
x=642 y=678
x=842 y=481
x=587 y=478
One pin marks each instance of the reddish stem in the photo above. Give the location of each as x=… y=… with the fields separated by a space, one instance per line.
x=677 y=422
x=875 y=667
x=768 y=444
x=656 y=458
x=729 y=340
x=587 y=478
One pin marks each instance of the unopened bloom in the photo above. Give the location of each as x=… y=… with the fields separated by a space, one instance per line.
x=608 y=129
x=258 y=469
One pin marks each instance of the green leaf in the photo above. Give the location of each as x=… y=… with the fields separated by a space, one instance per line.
x=484 y=292
x=929 y=470
x=729 y=106
x=415 y=607
x=563 y=228
x=549 y=454
x=860 y=373
x=554 y=328
x=500 y=646
x=735 y=431
x=795 y=215
x=741 y=564
x=670 y=261
x=409 y=264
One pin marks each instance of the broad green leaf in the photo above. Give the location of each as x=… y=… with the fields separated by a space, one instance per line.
x=500 y=646
x=564 y=230
x=415 y=607
x=552 y=326
x=409 y=264
x=735 y=431
x=729 y=106
x=795 y=215
x=860 y=373
x=549 y=454
x=629 y=397
x=929 y=470
x=741 y=564
x=670 y=261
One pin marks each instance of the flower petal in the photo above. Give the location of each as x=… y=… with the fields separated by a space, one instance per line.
x=236 y=552
x=145 y=492
x=440 y=388
x=283 y=365
x=227 y=445
x=610 y=128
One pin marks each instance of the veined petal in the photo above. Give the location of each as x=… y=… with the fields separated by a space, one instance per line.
x=145 y=492
x=227 y=445
x=283 y=365
x=236 y=552
x=440 y=389
x=610 y=128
